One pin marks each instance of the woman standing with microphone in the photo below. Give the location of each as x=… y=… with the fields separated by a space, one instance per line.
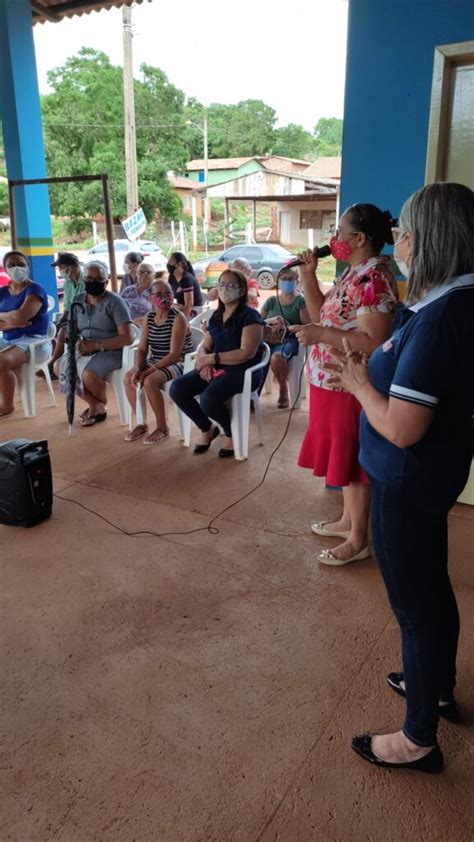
x=362 y=302
x=417 y=393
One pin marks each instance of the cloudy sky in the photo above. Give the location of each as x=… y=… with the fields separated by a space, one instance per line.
x=291 y=55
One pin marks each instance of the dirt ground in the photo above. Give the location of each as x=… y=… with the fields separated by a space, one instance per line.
x=198 y=687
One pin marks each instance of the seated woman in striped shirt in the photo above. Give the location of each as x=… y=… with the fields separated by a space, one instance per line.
x=164 y=341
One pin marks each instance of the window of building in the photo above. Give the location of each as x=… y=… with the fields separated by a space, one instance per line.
x=311 y=219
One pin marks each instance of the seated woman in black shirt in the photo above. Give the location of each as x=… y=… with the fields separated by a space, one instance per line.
x=184 y=283
x=231 y=345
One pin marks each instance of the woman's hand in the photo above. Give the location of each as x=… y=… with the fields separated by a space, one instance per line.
x=206 y=373
x=309 y=265
x=139 y=375
x=308 y=334
x=88 y=346
x=204 y=361
x=275 y=324
x=350 y=372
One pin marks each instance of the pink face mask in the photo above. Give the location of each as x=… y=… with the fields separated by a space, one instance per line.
x=164 y=302
x=340 y=249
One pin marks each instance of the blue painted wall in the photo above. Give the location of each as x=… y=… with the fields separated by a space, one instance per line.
x=388 y=91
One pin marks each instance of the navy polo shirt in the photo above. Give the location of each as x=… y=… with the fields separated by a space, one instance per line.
x=429 y=360
x=227 y=336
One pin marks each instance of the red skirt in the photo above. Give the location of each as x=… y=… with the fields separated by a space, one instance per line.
x=331 y=445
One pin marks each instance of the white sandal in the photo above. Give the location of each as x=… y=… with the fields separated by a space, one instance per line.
x=318 y=529
x=327 y=557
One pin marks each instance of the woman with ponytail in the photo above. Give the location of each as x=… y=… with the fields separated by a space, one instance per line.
x=184 y=283
x=362 y=302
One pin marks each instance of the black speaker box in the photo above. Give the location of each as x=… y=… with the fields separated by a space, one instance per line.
x=26 y=484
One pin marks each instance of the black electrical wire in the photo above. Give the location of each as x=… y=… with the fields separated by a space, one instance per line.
x=213 y=530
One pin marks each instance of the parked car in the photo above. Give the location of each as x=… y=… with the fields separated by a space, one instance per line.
x=151 y=252
x=266 y=260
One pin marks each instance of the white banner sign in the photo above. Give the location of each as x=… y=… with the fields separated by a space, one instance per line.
x=135 y=225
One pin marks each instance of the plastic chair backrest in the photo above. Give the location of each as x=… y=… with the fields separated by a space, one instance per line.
x=197 y=336
x=51 y=332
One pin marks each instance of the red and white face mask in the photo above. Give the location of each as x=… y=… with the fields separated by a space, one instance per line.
x=163 y=301
x=340 y=249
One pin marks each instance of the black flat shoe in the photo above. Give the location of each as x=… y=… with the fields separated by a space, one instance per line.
x=225 y=453
x=203 y=448
x=449 y=711
x=432 y=763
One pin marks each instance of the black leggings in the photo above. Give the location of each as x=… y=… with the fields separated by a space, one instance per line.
x=213 y=397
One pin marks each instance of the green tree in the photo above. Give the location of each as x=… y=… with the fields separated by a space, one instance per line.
x=84 y=134
x=328 y=136
x=293 y=141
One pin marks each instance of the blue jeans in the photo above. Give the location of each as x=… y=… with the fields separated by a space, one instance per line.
x=213 y=397
x=411 y=545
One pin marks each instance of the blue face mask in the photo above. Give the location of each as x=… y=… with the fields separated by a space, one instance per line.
x=287 y=287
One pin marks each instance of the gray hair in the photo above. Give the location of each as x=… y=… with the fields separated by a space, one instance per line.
x=440 y=219
x=97 y=264
x=242 y=264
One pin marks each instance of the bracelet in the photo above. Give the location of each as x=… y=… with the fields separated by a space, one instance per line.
x=217 y=360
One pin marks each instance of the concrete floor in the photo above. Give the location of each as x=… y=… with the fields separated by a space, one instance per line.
x=201 y=688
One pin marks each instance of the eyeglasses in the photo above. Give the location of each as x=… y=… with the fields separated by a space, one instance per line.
x=145 y=271
x=230 y=285
x=340 y=231
x=89 y=278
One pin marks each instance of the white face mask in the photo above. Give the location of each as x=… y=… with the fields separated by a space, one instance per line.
x=404 y=267
x=17 y=273
x=227 y=295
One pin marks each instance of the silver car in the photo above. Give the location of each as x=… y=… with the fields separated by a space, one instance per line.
x=151 y=252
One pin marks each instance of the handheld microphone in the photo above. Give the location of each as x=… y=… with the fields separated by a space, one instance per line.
x=319 y=251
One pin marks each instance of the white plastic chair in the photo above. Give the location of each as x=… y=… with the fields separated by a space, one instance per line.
x=26 y=375
x=295 y=377
x=240 y=412
x=197 y=336
x=202 y=317
x=116 y=377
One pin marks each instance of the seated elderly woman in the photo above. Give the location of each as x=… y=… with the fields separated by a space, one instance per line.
x=164 y=341
x=137 y=295
x=288 y=308
x=103 y=321
x=23 y=319
x=232 y=344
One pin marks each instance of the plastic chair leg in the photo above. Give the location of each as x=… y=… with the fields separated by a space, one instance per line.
x=45 y=369
x=258 y=416
x=27 y=389
x=240 y=421
x=120 y=396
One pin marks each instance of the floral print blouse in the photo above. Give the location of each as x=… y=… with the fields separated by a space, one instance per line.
x=367 y=288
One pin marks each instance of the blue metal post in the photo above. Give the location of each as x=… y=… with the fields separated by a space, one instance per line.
x=23 y=138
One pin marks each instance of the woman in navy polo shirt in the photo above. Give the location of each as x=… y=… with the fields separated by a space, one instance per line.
x=24 y=319
x=232 y=344
x=417 y=394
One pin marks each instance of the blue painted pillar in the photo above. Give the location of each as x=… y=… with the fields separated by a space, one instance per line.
x=23 y=138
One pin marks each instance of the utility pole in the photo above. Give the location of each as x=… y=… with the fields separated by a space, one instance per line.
x=129 y=114
x=206 y=169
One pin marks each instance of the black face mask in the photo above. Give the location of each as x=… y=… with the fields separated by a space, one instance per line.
x=171 y=267
x=95 y=287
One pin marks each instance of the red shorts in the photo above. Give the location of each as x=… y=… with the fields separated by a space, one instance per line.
x=331 y=445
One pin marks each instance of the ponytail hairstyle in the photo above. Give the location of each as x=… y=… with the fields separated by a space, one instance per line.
x=181 y=258
x=374 y=223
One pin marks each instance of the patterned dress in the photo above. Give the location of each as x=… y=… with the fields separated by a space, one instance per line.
x=367 y=288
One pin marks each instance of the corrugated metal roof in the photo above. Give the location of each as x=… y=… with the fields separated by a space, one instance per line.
x=56 y=10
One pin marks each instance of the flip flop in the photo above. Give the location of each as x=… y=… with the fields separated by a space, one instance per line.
x=283 y=403
x=134 y=434
x=90 y=420
x=163 y=436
